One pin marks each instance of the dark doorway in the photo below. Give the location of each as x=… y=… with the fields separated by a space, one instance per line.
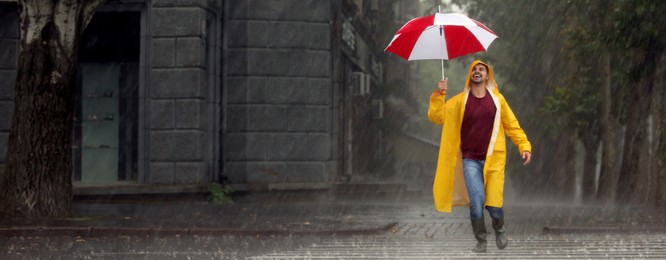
x=107 y=82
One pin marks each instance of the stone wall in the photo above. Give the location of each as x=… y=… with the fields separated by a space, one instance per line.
x=9 y=39
x=179 y=91
x=276 y=101
x=278 y=93
x=178 y=86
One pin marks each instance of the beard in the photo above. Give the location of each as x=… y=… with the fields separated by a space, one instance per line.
x=477 y=80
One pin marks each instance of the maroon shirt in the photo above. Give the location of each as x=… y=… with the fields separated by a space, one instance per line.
x=477 y=126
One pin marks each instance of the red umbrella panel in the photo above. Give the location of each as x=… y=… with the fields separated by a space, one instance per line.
x=440 y=36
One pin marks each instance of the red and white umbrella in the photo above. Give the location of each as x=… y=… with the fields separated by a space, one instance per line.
x=440 y=36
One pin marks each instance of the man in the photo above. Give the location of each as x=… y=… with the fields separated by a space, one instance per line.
x=473 y=150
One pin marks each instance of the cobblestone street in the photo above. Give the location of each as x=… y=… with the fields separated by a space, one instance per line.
x=382 y=246
x=316 y=225
x=453 y=247
x=583 y=233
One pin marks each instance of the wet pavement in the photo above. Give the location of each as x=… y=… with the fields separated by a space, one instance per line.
x=522 y=247
x=260 y=213
x=329 y=224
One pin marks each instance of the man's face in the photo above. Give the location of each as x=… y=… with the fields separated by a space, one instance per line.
x=479 y=74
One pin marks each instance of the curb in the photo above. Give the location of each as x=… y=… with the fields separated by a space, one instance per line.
x=50 y=231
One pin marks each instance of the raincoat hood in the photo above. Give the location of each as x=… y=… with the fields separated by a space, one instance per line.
x=490 y=83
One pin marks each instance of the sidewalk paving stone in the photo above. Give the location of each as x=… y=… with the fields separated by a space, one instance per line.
x=325 y=212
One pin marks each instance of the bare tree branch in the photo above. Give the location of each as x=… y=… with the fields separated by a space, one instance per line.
x=35 y=15
x=88 y=10
x=64 y=18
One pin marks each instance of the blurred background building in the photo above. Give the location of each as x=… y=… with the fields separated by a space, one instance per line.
x=173 y=95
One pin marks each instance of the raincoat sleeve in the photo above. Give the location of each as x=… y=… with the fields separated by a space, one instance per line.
x=513 y=130
x=436 y=108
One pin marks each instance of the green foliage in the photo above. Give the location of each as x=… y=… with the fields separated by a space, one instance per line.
x=220 y=194
x=558 y=102
x=557 y=106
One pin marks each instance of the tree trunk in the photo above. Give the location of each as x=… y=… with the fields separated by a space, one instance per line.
x=655 y=159
x=553 y=178
x=660 y=134
x=633 y=140
x=37 y=181
x=647 y=180
x=589 y=170
x=608 y=128
x=563 y=165
x=633 y=176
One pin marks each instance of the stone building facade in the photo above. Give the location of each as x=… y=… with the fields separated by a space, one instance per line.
x=279 y=129
x=261 y=94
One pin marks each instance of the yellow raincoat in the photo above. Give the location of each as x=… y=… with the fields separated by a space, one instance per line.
x=449 y=186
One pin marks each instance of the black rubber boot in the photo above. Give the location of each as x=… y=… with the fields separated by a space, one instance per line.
x=480 y=233
x=500 y=235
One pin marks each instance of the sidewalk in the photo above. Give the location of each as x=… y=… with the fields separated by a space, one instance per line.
x=258 y=213
x=320 y=212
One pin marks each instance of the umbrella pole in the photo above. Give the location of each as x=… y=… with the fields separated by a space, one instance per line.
x=442 y=68
x=439 y=9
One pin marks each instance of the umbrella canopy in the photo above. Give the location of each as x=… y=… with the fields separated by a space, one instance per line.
x=440 y=36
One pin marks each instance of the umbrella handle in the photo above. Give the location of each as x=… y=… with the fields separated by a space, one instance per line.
x=442 y=68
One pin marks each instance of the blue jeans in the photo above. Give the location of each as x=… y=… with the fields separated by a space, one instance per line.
x=473 y=172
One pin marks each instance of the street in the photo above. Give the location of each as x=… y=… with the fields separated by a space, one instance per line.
x=415 y=232
x=536 y=247
x=384 y=246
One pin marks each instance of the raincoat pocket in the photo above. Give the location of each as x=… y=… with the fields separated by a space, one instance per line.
x=496 y=161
